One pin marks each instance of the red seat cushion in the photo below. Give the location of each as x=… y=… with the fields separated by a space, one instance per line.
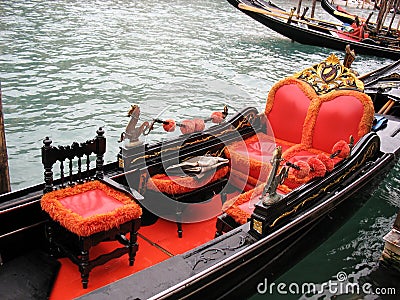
x=233 y=206
x=91 y=207
x=176 y=185
x=91 y=203
x=252 y=155
x=241 y=207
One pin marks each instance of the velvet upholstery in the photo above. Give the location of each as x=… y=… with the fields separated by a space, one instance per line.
x=304 y=124
x=176 y=185
x=307 y=126
x=91 y=207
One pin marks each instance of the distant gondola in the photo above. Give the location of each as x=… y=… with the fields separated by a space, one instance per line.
x=315 y=32
x=354 y=4
x=338 y=12
x=346 y=17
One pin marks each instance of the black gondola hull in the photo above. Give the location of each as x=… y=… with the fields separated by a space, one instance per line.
x=316 y=38
x=241 y=271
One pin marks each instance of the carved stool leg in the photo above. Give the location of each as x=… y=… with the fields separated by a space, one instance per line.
x=49 y=234
x=133 y=246
x=180 y=231
x=84 y=268
x=131 y=250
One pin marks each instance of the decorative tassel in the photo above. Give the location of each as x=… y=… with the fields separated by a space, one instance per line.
x=328 y=162
x=195 y=125
x=217 y=117
x=341 y=149
x=187 y=126
x=169 y=125
x=302 y=171
x=199 y=125
x=318 y=169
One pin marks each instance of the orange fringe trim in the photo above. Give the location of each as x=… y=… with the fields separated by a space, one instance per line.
x=181 y=185
x=231 y=207
x=81 y=226
x=316 y=102
x=255 y=168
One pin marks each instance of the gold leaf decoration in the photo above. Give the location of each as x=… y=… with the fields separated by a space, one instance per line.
x=330 y=75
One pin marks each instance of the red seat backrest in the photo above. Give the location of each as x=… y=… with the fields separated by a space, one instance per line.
x=342 y=114
x=298 y=115
x=286 y=110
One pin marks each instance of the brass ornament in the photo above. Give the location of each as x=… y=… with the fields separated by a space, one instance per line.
x=257 y=226
x=330 y=75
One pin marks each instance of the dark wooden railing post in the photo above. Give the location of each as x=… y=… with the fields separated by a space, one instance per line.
x=48 y=165
x=100 y=150
x=5 y=186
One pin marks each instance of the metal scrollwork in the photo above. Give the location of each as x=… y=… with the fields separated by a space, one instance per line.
x=330 y=75
x=132 y=133
x=212 y=254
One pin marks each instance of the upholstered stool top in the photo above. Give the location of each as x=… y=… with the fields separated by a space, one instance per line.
x=241 y=207
x=91 y=207
x=177 y=185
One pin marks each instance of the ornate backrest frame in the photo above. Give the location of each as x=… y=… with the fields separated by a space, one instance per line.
x=51 y=154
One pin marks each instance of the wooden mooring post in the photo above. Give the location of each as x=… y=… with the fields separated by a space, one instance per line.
x=4 y=173
x=314 y=3
x=298 y=7
x=391 y=252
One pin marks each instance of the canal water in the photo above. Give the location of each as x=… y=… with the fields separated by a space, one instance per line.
x=69 y=67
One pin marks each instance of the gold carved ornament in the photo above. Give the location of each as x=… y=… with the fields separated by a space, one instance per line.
x=330 y=75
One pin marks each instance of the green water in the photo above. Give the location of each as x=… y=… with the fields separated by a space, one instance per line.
x=68 y=67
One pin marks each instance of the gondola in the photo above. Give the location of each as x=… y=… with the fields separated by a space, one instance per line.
x=210 y=213
x=319 y=33
x=384 y=83
x=338 y=12
x=347 y=17
x=354 y=4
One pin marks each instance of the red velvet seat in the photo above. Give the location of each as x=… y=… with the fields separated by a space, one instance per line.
x=89 y=208
x=304 y=124
x=177 y=185
x=308 y=114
